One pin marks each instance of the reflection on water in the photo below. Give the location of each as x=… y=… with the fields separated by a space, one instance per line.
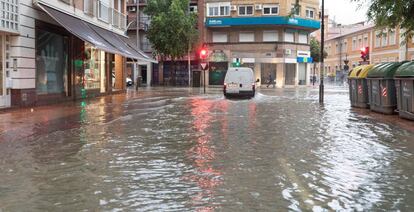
x=178 y=151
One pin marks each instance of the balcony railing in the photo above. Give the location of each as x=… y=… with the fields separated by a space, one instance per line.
x=103 y=12
x=144 y=23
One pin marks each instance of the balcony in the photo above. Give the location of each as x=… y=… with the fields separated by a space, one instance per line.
x=144 y=23
x=109 y=15
x=102 y=11
x=9 y=16
x=146 y=47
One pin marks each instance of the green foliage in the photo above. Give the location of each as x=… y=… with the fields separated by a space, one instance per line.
x=392 y=14
x=315 y=47
x=172 y=31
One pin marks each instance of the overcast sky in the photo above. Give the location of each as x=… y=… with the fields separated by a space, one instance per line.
x=345 y=12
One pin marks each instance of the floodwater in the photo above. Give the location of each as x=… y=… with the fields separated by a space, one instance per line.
x=179 y=150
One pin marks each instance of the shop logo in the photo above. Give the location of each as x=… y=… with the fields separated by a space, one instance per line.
x=293 y=21
x=215 y=22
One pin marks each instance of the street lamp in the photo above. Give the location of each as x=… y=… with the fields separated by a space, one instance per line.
x=321 y=85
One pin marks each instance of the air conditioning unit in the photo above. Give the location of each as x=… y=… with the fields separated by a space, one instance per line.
x=288 y=51
x=132 y=9
x=258 y=7
x=233 y=8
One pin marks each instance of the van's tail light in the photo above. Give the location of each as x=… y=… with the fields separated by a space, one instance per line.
x=253 y=86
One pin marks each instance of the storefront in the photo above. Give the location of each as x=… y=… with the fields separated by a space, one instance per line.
x=5 y=62
x=78 y=60
x=218 y=64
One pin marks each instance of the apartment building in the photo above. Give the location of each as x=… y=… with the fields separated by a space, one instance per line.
x=384 y=46
x=271 y=37
x=59 y=50
x=150 y=73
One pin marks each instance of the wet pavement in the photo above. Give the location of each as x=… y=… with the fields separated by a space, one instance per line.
x=176 y=149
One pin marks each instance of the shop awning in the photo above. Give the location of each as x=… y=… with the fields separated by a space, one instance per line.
x=80 y=29
x=100 y=38
x=128 y=42
x=120 y=44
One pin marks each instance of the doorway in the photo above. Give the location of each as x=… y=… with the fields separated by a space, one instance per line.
x=290 y=74
x=4 y=73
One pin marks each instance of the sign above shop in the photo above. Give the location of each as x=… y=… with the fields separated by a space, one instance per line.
x=272 y=20
x=305 y=60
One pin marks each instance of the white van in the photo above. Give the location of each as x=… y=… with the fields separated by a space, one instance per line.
x=239 y=82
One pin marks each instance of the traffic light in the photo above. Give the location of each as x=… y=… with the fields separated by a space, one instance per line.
x=365 y=53
x=237 y=63
x=203 y=54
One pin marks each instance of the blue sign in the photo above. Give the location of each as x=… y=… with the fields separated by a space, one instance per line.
x=275 y=20
x=305 y=60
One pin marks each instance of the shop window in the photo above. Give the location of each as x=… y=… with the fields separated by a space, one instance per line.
x=303 y=38
x=51 y=63
x=378 y=39
x=384 y=39
x=245 y=10
x=219 y=37
x=270 y=36
x=94 y=66
x=290 y=37
x=246 y=37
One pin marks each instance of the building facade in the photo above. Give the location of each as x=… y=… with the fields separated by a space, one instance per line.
x=150 y=73
x=59 y=50
x=271 y=37
x=384 y=46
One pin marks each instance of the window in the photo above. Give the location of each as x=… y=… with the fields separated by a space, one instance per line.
x=246 y=10
x=270 y=9
x=295 y=10
x=365 y=41
x=52 y=63
x=393 y=38
x=218 y=9
x=310 y=13
x=384 y=39
x=193 y=8
x=303 y=38
x=377 y=39
x=360 y=42
x=289 y=37
x=345 y=46
x=246 y=37
x=270 y=36
x=354 y=44
x=337 y=47
x=219 y=37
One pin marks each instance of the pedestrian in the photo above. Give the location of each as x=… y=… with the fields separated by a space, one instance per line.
x=270 y=81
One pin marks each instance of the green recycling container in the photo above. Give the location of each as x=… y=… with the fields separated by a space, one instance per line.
x=404 y=83
x=358 y=89
x=381 y=88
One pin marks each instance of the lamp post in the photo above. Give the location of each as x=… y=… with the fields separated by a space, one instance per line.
x=321 y=85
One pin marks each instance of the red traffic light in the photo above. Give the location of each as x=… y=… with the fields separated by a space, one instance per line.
x=203 y=54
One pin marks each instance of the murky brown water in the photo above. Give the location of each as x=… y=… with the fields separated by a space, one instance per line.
x=176 y=151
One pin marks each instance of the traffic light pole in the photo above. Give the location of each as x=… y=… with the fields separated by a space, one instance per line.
x=204 y=79
x=321 y=85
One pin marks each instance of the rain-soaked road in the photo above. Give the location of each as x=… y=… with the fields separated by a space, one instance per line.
x=178 y=150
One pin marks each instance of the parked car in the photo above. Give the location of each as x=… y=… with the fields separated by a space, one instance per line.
x=239 y=82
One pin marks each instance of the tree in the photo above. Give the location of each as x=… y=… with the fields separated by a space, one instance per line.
x=315 y=48
x=392 y=14
x=172 y=31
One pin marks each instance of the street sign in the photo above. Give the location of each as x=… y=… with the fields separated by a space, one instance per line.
x=204 y=66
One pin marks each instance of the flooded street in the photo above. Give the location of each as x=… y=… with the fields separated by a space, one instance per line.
x=179 y=150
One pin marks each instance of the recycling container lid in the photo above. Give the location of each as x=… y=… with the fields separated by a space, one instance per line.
x=384 y=70
x=364 y=71
x=355 y=72
x=405 y=71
